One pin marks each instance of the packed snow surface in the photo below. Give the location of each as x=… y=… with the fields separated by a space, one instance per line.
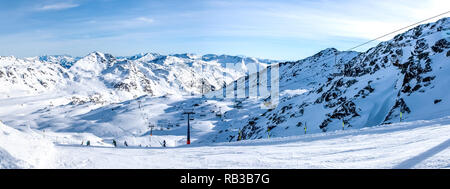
x=418 y=144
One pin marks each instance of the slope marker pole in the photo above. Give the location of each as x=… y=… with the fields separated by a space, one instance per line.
x=305 y=128
x=240 y=135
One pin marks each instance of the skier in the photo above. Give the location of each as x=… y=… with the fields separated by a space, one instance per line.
x=164 y=143
x=88 y=143
x=114 y=143
x=125 y=143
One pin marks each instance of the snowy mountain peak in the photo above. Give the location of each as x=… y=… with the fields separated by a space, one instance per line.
x=325 y=54
x=328 y=51
x=7 y=60
x=101 y=57
x=186 y=56
x=64 y=60
x=143 y=57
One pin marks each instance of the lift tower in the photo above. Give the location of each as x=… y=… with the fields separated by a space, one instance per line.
x=188 y=112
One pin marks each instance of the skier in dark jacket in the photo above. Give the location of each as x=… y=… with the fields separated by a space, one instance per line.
x=114 y=143
x=125 y=143
x=164 y=143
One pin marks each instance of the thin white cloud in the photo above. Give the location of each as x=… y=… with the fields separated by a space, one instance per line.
x=145 y=20
x=58 y=6
x=321 y=19
x=117 y=23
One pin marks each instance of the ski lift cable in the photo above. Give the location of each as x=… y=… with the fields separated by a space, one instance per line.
x=387 y=34
x=411 y=25
x=395 y=31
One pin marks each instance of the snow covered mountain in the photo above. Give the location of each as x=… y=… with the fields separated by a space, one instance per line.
x=403 y=78
x=119 y=78
x=21 y=77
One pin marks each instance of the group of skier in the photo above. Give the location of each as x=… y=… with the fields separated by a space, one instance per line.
x=114 y=142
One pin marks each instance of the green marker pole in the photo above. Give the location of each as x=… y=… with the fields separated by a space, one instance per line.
x=240 y=134
x=343 y=125
x=268 y=133
x=305 y=128
x=401 y=115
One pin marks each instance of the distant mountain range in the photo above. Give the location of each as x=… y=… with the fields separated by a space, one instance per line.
x=124 y=77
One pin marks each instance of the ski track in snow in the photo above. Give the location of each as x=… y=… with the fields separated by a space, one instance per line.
x=420 y=144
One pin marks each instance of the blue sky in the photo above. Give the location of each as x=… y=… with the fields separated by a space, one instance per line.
x=283 y=30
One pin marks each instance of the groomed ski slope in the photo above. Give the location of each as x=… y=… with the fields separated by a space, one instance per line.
x=418 y=144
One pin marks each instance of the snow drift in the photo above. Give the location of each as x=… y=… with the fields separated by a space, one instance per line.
x=24 y=149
